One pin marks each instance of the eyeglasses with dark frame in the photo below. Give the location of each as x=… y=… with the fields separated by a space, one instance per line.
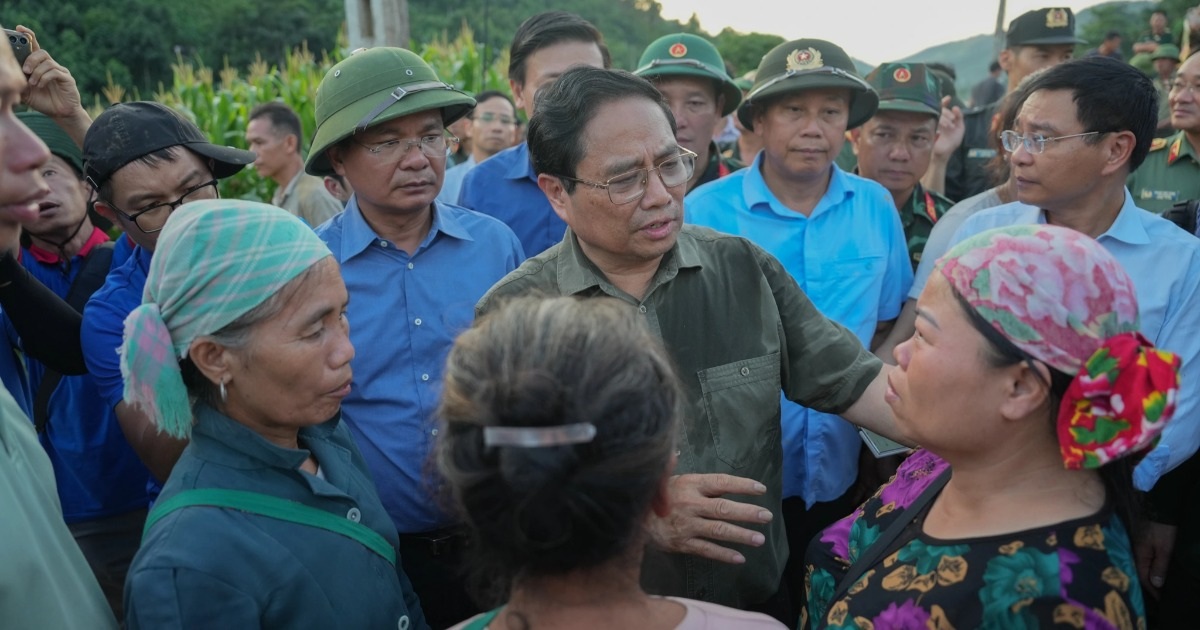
x=629 y=187
x=431 y=146
x=151 y=219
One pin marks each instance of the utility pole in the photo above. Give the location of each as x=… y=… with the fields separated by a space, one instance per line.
x=998 y=44
x=377 y=23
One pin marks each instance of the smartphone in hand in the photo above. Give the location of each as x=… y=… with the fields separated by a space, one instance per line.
x=21 y=44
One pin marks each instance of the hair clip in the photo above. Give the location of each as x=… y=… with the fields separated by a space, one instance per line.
x=536 y=437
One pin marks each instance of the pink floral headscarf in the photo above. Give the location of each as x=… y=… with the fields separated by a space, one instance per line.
x=1061 y=298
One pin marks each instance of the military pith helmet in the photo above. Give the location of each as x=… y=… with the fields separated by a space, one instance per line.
x=375 y=85
x=906 y=87
x=1166 y=51
x=1047 y=27
x=806 y=64
x=687 y=55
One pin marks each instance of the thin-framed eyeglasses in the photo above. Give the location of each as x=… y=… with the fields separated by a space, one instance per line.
x=1179 y=87
x=1034 y=143
x=431 y=146
x=629 y=187
x=151 y=219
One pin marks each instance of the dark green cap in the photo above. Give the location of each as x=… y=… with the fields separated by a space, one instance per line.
x=1050 y=26
x=687 y=55
x=1166 y=51
x=56 y=139
x=372 y=86
x=906 y=87
x=806 y=64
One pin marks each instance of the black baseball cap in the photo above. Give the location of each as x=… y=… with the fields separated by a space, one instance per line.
x=127 y=131
x=1045 y=27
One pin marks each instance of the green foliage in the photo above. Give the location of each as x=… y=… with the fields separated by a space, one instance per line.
x=461 y=62
x=744 y=51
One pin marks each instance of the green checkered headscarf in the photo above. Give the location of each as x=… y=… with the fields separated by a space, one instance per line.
x=215 y=261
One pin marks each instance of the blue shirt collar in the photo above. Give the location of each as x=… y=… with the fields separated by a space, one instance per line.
x=520 y=164
x=1127 y=227
x=755 y=190
x=357 y=234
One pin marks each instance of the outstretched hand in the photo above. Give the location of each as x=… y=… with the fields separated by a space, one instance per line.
x=700 y=517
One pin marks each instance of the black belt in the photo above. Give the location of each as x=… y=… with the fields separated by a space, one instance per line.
x=437 y=542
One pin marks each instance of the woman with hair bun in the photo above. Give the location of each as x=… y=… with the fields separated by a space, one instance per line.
x=559 y=419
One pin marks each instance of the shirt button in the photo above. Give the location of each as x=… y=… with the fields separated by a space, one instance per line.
x=403 y=625
x=410 y=265
x=424 y=377
x=417 y=321
x=354 y=515
x=745 y=371
x=642 y=309
x=433 y=433
x=383 y=243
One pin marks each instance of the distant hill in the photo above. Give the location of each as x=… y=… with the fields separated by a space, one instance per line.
x=972 y=56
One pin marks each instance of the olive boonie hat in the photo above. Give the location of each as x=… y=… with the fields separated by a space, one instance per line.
x=128 y=131
x=687 y=55
x=1166 y=51
x=1055 y=25
x=375 y=85
x=806 y=64
x=906 y=87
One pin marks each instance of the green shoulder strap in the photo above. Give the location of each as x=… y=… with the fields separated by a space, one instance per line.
x=273 y=507
x=482 y=622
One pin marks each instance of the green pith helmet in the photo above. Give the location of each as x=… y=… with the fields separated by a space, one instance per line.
x=687 y=55
x=1165 y=51
x=906 y=87
x=805 y=64
x=375 y=85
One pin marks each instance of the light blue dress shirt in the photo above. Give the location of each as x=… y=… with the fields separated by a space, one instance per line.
x=404 y=313
x=851 y=259
x=1164 y=263
x=504 y=186
x=452 y=181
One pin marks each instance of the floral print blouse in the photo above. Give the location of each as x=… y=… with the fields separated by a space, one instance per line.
x=1076 y=574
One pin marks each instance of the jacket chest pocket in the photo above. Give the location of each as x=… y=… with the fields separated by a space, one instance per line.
x=741 y=401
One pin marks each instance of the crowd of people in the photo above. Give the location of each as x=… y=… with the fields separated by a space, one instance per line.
x=614 y=367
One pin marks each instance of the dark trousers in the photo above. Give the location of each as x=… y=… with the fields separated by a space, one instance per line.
x=433 y=562
x=109 y=544
x=802 y=525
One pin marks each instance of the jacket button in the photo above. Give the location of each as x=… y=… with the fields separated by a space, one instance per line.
x=403 y=625
x=354 y=514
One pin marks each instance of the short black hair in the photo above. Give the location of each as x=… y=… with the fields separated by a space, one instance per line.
x=1109 y=96
x=488 y=95
x=1162 y=11
x=1111 y=35
x=994 y=67
x=947 y=68
x=566 y=107
x=282 y=118
x=547 y=29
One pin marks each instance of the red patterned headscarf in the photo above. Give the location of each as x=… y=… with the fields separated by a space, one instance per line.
x=1063 y=299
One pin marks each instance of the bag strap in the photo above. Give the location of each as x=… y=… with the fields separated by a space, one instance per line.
x=276 y=508
x=91 y=276
x=481 y=623
x=872 y=554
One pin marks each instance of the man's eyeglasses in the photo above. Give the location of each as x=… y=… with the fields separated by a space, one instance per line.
x=629 y=187
x=151 y=219
x=433 y=147
x=1179 y=87
x=1034 y=143
x=488 y=117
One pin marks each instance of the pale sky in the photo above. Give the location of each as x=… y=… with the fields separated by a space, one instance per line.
x=871 y=30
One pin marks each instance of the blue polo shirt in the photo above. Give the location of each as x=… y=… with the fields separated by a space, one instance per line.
x=1163 y=261
x=504 y=186
x=404 y=313
x=851 y=259
x=96 y=471
x=104 y=322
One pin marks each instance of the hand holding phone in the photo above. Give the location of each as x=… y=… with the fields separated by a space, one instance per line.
x=22 y=45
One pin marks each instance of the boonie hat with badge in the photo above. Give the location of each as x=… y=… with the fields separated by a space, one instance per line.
x=805 y=64
x=906 y=87
x=128 y=131
x=1055 y=25
x=687 y=55
x=372 y=86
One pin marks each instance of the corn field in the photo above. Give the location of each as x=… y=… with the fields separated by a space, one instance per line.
x=220 y=101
